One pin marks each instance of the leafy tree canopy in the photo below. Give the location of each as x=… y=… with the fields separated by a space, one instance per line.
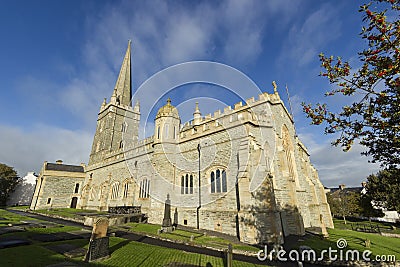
x=384 y=188
x=374 y=118
x=8 y=180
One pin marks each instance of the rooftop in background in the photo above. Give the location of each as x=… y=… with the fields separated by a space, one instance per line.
x=64 y=167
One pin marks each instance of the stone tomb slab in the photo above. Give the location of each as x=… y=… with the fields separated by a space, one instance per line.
x=11 y=229
x=68 y=250
x=55 y=237
x=13 y=242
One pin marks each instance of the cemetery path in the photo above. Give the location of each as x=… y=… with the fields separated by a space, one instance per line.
x=163 y=243
x=49 y=219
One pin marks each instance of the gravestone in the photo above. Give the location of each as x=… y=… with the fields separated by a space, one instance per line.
x=99 y=241
x=176 y=217
x=167 y=222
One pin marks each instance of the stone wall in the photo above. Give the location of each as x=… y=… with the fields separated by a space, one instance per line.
x=56 y=189
x=272 y=188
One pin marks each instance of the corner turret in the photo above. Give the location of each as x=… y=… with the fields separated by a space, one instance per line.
x=167 y=124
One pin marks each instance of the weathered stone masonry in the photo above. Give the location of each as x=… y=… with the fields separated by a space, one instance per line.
x=257 y=182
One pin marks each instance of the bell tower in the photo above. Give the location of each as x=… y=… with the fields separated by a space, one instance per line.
x=118 y=122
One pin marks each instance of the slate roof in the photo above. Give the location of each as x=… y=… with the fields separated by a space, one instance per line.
x=64 y=167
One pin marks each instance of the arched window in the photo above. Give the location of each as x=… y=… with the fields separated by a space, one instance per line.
x=121 y=144
x=114 y=190
x=158 y=132
x=212 y=182
x=218 y=181
x=183 y=185
x=223 y=181
x=126 y=189
x=144 y=189
x=174 y=132
x=92 y=194
x=166 y=127
x=288 y=150
x=124 y=127
x=76 y=188
x=187 y=184
x=191 y=184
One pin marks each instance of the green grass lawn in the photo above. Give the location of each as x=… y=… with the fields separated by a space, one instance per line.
x=68 y=213
x=380 y=245
x=130 y=253
x=123 y=252
x=151 y=229
x=23 y=208
x=138 y=254
x=383 y=226
x=11 y=218
x=184 y=236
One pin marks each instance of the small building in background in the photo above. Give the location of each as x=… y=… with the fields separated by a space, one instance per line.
x=58 y=186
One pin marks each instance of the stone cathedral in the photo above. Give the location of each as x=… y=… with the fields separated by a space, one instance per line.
x=241 y=171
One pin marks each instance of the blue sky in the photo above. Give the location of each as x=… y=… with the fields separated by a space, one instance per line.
x=59 y=59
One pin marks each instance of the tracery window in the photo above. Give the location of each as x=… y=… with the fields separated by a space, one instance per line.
x=126 y=189
x=144 y=189
x=187 y=184
x=114 y=190
x=218 y=181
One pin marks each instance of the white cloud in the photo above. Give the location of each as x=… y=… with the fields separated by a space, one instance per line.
x=26 y=150
x=336 y=166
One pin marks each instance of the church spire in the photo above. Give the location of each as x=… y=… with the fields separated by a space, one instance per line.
x=123 y=86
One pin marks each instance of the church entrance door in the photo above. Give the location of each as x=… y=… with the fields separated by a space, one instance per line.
x=74 y=201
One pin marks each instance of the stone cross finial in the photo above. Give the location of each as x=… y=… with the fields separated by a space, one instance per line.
x=275 y=86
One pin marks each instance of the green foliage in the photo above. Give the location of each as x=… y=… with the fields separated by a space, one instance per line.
x=12 y=218
x=349 y=203
x=380 y=245
x=367 y=209
x=373 y=118
x=345 y=203
x=384 y=188
x=8 y=181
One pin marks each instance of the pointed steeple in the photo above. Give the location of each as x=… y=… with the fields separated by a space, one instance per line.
x=123 y=86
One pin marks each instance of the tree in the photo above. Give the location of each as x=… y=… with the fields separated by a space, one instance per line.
x=367 y=209
x=384 y=189
x=374 y=118
x=8 y=181
x=344 y=203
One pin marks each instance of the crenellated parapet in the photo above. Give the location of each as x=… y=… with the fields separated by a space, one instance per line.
x=238 y=114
